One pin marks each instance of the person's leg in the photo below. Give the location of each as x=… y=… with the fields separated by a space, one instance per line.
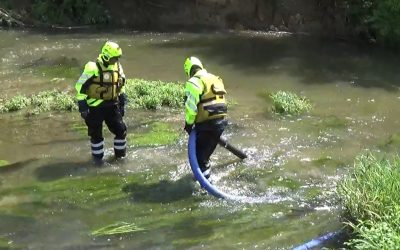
x=117 y=126
x=205 y=146
x=94 y=122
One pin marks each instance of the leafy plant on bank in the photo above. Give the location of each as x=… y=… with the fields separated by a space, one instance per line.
x=379 y=19
x=371 y=199
x=70 y=12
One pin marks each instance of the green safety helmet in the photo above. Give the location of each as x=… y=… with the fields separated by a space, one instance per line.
x=110 y=50
x=190 y=62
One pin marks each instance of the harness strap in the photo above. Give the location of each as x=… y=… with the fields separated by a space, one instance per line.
x=100 y=72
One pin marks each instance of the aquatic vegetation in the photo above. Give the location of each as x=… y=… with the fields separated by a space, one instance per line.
x=312 y=193
x=52 y=101
x=59 y=71
x=289 y=103
x=83 y=192
x=15 y=103
x=117 y=228
x=45 y=101
x=80 y=128
x=154 y=94
x=285 y=182
x=58 y=68
x=141 y=94
x=159 y=134
x=331 y=122
x=3 y=163
x=371 y=198
x=392 y=143
x=327 y=161
x=5 y=243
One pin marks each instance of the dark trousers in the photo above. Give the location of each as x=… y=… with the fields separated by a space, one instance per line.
x=208 y=134
x=111 y=115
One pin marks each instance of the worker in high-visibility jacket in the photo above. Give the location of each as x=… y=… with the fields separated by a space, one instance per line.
x=205 y=109
x=101 y=98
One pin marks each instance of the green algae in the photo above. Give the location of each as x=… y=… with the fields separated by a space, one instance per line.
x=4 y=163
x=328 y=162
x=245 y=174
x=79 y=192
x=60 y=68
x=59 y=71
x=390 y=143
x=157 y=134
x=281 y=181
x=312 y=193
x=79 y=128
x=5 y=243
x=330 y=122
x=117 y=229
x=87 y=191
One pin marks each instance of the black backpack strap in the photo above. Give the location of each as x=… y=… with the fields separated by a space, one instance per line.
x=100 y=71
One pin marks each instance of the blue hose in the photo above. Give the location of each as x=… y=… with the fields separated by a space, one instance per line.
x=316 y=242
x=204 y=183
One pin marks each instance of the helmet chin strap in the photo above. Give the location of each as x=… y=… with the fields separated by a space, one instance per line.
x=194 y=71
x=106 y=63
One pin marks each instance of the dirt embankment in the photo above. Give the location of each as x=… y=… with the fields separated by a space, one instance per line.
x=312 y=16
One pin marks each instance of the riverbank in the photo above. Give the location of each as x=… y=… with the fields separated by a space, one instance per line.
x=316 y=18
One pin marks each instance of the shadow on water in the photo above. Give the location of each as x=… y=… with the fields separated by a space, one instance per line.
x=312 y=60
x=59 y=170
x=16 y=166
x=163 y=191
x=58 y=141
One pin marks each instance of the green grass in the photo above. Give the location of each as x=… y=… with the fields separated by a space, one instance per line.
x=371 y=199
x=289 y=103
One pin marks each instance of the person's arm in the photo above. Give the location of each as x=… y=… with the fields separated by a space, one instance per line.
x=193 y=90
x=81 y=86
x=122 y=101
x=122 y=97
x=122 y=78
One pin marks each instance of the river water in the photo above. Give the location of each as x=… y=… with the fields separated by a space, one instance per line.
x=292 y=169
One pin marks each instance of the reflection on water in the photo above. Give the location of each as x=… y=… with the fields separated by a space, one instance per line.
x=293 y=164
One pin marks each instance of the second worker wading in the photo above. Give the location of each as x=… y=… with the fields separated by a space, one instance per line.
x=212 y=103
x=106 y=85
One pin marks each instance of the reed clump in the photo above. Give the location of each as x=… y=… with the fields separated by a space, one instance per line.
x=371 y=201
